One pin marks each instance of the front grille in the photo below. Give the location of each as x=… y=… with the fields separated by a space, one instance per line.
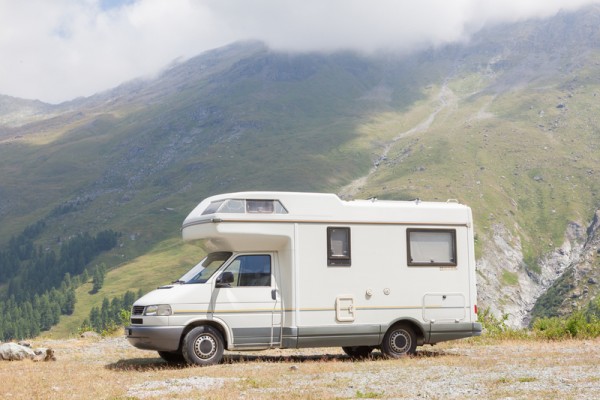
x=137 y=310
x=137 y=321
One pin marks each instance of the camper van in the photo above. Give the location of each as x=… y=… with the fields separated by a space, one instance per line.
x=295 y=270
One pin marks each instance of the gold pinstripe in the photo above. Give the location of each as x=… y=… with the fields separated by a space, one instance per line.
x=364 y=308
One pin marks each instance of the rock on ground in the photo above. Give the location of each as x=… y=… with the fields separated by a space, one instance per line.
x=17 y=352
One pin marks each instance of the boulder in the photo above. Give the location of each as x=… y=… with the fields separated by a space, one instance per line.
x=44 y=354
x=90 y=334
x=14 y=352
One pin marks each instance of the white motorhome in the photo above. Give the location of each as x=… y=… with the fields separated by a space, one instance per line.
x=294 y=270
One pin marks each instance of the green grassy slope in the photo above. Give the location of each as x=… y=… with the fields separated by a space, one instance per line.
x=165 y=263
x=528 y=169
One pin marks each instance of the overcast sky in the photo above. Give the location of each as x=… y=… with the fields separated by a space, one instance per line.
x=56 y=50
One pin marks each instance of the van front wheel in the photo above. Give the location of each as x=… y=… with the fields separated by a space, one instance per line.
x=203 y=346
x=400 y=340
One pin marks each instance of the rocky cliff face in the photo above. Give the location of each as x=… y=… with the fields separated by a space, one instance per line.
x=586 y=273
x=566 y=279
x=578 y=285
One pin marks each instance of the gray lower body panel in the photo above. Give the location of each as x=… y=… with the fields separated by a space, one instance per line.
x=372 y=335
x=160 y=338
x=255 y=338
x=338 y=335
x=443 y=332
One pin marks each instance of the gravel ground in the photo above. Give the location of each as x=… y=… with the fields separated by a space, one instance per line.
x=462 y=369
x=565 y=370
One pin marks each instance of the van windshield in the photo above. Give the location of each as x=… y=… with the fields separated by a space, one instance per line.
x=205 y=268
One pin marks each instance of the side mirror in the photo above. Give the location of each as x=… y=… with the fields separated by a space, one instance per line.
x=225 y=279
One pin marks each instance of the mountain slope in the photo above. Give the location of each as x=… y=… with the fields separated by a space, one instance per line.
x=514 y=135
x=506 y=124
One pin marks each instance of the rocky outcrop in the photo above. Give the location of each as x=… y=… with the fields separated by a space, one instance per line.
x=507 y=287
x=580 y=281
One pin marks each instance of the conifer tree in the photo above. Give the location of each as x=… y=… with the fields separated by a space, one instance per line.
x=98 y=280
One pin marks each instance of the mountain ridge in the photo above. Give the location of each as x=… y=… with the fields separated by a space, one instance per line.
x=505 y=123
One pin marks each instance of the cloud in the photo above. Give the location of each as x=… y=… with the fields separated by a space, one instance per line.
x=368 y=25
x=58 y=50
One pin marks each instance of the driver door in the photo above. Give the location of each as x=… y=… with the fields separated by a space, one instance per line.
x=249 y=304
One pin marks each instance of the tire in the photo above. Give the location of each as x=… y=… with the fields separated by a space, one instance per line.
x=203 y=346
x=172 y=357
x=358 y=352
x=399 y=341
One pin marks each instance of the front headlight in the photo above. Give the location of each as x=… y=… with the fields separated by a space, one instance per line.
x=158 y=310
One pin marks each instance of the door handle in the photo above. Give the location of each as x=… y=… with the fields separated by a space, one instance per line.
x=274 y=294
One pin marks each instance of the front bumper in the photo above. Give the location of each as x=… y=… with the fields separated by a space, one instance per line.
x=160 y=338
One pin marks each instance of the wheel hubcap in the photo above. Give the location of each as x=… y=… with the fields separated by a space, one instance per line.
x=400 y=342
x=205 y=347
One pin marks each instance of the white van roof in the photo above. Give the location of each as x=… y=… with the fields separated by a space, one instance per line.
x=324 y=207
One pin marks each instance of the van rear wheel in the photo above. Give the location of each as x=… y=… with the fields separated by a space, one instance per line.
x=357 y=352
x=399 y=341
x=203 y=346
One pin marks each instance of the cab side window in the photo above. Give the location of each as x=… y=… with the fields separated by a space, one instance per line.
x=251 y=270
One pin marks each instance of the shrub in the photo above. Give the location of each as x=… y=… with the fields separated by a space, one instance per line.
x=549 y=328
x=581 y=325
x=497 y=328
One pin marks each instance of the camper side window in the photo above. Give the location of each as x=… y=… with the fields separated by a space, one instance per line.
x=338 y=246
x=431 y=247
x=251 y=270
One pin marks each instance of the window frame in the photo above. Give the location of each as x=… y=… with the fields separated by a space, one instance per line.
x=411 y=263
x=339 y=261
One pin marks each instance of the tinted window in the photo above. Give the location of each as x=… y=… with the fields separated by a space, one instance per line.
x=241 y=206
x=251 y=270
x=338 y=246
x=213 y=207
